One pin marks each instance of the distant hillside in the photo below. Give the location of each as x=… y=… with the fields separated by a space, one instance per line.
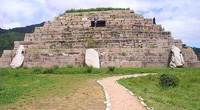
x=7 y=40
x=7 y=37
x=197 y=51
x=3 y=31
x=22 y=30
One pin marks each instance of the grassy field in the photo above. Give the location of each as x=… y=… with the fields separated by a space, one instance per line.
x=20 y=86
x=24 y=85
x=186 y=96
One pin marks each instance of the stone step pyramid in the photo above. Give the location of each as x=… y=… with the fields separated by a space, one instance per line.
x=123 y=39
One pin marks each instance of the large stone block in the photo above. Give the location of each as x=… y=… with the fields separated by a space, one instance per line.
x=131 y=64
x=92 y=58
x=155 y=64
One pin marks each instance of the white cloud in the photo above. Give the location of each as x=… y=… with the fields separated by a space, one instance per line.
x=179 y=16
x=1 y=17
x=11 y=25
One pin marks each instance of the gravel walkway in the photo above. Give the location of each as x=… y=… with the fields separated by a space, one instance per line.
x=117 y=97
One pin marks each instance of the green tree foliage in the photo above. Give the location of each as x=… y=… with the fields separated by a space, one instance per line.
x=7 y=37
x=7 y=40
x=23 y=30
x=197 y=51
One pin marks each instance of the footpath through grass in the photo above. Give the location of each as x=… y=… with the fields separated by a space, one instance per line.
x=20 y=86
x=23 y=84
x=186 y=96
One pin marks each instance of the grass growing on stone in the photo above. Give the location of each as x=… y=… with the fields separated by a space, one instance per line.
x=94 y=9
x=184 y=97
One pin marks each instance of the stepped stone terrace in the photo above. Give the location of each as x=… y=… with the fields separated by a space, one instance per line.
x=122 y=38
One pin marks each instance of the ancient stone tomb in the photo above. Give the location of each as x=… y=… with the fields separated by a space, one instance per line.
x=122 y=39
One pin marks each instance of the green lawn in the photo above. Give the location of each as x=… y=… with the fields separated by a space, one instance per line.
x=21 y=85
x=24 y=84
x=184 y=97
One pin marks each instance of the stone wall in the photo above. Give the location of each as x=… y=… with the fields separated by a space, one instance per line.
x=119 y=57
x=72 y=30
x=127 y=40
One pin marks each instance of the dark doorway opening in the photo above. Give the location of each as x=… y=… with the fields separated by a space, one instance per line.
x=99 y=24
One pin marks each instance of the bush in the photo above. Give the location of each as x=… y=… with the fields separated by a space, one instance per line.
x=69 y=66
x=89 y=69
x=25 y=67
x=91 y=43
x=152 y=46
x=49 y=70
x=168 y=81
x=111 y=68
x=55 y=67
x=37 y=70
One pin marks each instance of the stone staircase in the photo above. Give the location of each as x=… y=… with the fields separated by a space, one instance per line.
x=127 y=40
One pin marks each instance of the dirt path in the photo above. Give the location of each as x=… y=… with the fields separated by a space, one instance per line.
x=88 y=97
x=119 y=97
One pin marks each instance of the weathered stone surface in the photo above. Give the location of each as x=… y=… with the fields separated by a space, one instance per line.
x=19 y=57
x=92 y=58
x=176 y=58
x=131 y=64
x=128 y=39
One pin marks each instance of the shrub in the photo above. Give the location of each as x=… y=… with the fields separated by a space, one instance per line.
x=168 y=81
x=25 y=67
x=184 y=45
x=91 y=43
x=123 y=54
x=49 y=70
x=55 y=67
x=80 y=14
x=89 y=69
x=69 y=66
x=37 y=70
x=152 y=46
x=111 y=68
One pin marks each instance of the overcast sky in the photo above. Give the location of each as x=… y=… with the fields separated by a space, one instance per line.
x=181 y=17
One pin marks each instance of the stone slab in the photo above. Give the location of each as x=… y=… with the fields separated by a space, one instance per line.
x=92 y=58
